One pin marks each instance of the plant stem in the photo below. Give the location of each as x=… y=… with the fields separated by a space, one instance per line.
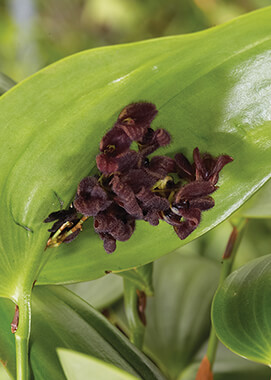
x=227 y=263
x=137 y=328
x=22 y=337
x=22 y=297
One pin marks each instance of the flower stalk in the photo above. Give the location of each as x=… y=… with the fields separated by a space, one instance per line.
x=226 y=268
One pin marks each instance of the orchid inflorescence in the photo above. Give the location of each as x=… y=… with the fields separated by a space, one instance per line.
x=131 y=186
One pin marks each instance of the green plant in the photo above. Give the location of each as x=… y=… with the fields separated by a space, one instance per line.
x=212 y=90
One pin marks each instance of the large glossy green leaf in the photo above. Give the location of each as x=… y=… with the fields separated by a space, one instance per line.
x=241 y=311
x=61 y=319
x=79 y=366
x=212 y=90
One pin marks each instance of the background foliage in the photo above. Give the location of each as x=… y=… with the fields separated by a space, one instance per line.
x=35 y=33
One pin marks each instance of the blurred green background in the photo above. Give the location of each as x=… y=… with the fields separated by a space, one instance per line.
x=35 y=33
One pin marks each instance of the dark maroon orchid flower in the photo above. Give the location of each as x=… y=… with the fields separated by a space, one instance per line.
x=136 y=118
x=132 y=124
x=204 y=168
x=61 y=217
x=65 y=220
x=91 y=197
x=131 y=186
x=189 y=202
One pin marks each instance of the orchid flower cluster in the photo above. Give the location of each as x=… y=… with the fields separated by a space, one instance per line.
x=132 y=186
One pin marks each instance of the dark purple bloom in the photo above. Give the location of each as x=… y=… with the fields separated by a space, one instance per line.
x=204 y=168
x=152 y=216
x=105 y=222
x=136 y=118
x=138 y=178
x=62 y=217
x=151 y=205
x=207 y=167
x=66 y=220
x=185 y=229
x=131 y=186
x=152 y=140
x=189 y=201
x=188 y=204
x=162 y=137
x=114 y=145
x=203 y=203
x=109 y=242
x=150 y=200
x=132 y=124
x=108 y=164
x=114 y=142
x=170 y=217
x=91 y=197
x=184 y=168
x=114 y=224
x=193 y=190
x=123 y=231
x=161 y=166
x=125 y=197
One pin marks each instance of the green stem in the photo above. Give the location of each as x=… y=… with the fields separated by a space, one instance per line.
x=212 y=346
x=137 y=329
x=227 y=263
x=22 y=297
x=22 y=337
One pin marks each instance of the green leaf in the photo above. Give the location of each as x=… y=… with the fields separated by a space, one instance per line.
x=241 y=311
x=99 y=293
x=178 y=316
x=78 y=366
x=212 y=91
x=4 y=374
x=61 y=319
